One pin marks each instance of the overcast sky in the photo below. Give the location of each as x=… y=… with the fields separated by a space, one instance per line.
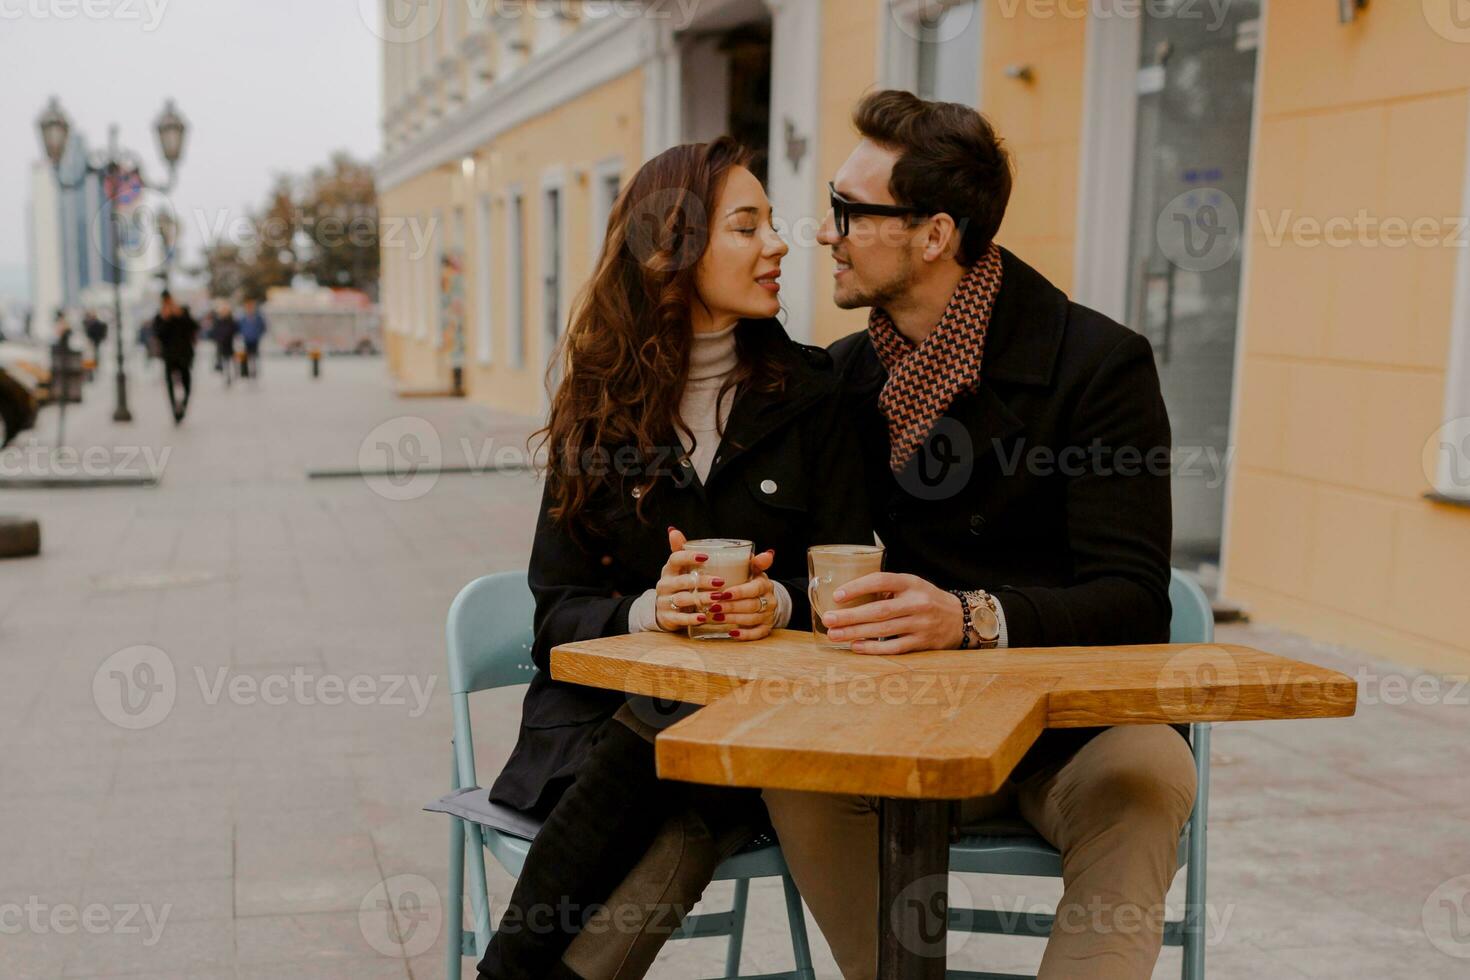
x=267 y=86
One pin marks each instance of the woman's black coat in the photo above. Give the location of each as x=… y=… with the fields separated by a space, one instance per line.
x=787 y=475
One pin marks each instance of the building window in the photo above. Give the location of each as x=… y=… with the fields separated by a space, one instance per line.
x=515 y=255
x=552 y=273
x=932 y=48
x=1450 y=444
x=484 y=335
x=607 y=180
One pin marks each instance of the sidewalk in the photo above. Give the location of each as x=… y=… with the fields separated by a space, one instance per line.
x=241 y=798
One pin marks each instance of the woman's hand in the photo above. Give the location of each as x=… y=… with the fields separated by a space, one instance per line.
x=688 y=596
x=749 y=608
x=679 y=584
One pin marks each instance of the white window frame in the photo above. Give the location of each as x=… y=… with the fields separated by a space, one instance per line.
x=1456 y=430
x=515 y=283
x=898 y=50
x=602 y=204
x=484 y=295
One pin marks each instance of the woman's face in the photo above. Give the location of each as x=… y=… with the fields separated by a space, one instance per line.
x=739 y=273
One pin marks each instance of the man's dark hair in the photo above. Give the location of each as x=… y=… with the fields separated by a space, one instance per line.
x=165 y=296
x=950 y=160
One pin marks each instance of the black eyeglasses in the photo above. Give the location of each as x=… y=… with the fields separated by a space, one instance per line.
x=843 y=210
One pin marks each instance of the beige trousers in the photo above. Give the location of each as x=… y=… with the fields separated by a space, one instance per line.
x=1115 y=811
x=621 y=940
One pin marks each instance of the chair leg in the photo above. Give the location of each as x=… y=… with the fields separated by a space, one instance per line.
x=1195 y=894
x=801 y=950
x=454 y=908
x=480 y=894
x=737 y=927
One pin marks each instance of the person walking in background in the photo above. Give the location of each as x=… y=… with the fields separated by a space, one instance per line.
x=252 y=327
x=61 y=329
x=175 y=332
x=96 y=331
x=222 y=331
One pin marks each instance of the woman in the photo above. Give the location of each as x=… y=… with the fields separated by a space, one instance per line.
x=684 y=410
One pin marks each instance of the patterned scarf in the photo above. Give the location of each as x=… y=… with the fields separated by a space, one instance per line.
x=924 y=380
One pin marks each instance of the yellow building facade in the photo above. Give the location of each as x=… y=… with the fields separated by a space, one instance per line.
x=1272 y=191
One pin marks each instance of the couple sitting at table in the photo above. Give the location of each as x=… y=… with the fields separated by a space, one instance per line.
x=1002 y=442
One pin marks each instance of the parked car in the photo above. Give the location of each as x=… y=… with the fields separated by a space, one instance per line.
x=24 y=373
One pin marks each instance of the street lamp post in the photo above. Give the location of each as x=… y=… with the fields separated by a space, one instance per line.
x=113 y=168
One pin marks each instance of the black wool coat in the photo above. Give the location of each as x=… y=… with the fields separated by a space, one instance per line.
x=1047 y=486
x=787 y=475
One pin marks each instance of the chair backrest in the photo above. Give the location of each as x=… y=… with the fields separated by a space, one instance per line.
x=489 y=634
x=1193 y=620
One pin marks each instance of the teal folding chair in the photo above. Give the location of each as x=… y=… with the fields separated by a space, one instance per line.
x=1016 y=850
x=489 y=642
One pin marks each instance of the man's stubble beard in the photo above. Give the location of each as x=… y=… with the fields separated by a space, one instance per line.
x=882 y=294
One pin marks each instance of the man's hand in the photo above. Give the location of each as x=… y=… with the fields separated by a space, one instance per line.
x=911 y=613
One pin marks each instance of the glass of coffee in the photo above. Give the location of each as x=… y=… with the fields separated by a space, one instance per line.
x=831 y=566
x=729 y=560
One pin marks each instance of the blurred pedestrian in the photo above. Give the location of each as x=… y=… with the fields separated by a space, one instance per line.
x=96 y=331
x=61 y=329
x=175 y=332
x=252 y=327
x=222 y=331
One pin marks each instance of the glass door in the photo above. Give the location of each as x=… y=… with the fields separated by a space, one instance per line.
x=1195 y=92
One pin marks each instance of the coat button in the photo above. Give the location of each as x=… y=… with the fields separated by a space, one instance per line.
x=637 y=492
x=684 y=461
x=977 y=522
x=768 y=486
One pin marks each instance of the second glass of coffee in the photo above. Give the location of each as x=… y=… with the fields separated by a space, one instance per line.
x=831 y=566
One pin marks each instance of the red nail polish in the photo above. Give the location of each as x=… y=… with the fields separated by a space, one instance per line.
x=727 y=595
x=669 y=528
x=716 y=608
x=701 y=557
x=701 y=617
x=719 y=617
x=734 y=632
x=717 y=582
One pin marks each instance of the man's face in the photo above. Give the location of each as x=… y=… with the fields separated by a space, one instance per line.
x=875 y=261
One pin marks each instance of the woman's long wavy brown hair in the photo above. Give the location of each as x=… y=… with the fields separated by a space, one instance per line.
x=625 y=354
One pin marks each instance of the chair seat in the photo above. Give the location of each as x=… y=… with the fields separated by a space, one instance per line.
x=1012 y=847
x=511 y=833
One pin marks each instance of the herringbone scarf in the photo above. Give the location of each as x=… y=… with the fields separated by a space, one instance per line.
x=924 y=380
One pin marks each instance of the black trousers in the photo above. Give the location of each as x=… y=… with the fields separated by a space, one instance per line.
x=182 y=371
x=592 y=838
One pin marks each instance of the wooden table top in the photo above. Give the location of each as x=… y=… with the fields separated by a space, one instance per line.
x=784 y=713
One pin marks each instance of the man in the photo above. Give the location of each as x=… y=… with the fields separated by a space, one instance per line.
x=174 y=332
x=222 y=331
x=1017 y=446
x=252 y=328
x=96 y=331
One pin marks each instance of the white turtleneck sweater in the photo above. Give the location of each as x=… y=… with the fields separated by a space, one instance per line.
x=712 y=359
